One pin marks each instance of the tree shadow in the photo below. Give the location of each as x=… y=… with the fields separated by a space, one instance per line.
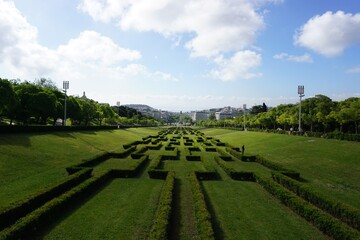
x=15 y=140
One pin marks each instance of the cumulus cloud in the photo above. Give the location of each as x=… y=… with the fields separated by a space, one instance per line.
x=91 y=46
x=305 y=58
x=238 y=66
x=87 y=56
x=354 y=70
x=329 y=34
x=214 y=26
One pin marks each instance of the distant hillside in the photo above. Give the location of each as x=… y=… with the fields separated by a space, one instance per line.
x=140 y=107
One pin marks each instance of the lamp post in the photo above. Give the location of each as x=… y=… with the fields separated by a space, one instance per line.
x=65 y=87
x=118 y=107
x=244 y=107
x=301 y=94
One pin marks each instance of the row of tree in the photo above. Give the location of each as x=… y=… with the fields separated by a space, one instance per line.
x=319 y=114
x=41 y=102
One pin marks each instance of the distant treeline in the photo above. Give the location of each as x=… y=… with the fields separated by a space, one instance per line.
x=318 y=114
x=41 y=102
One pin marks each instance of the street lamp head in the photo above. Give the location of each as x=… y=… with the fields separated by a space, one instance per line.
x=66 y=85
x=301 y=90
x=118 y=103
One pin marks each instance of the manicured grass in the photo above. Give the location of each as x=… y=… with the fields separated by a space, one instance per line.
x=29 y=162
x=331 y=167
x=123 y=210
x=245 y=211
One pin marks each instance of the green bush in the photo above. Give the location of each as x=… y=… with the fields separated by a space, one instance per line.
x=342 y=211
x=19 y=209
x=323 y=221
x=46 y=214
x=203 y=217
x=160 y=227
x=28 y=129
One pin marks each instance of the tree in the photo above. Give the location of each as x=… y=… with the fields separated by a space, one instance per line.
x=42 y=105
x=88 y=110
x=212 y=117
x=46 y=83
x=8 y=98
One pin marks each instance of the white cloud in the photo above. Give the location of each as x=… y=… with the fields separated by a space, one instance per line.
x=293 y=58
x=238 y=66
x=92 y=47
x=89 y=57
x=354 y=70
x=329 y=34
x=215 y=26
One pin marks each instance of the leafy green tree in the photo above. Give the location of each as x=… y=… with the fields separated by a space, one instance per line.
x=42 y=105
x=8 y=97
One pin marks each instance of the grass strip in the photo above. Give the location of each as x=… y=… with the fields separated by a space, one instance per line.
x=43 y=216
x=19 y=209
x=203 y=217
x=323 y=221
x=342 y=211
x=161 y=225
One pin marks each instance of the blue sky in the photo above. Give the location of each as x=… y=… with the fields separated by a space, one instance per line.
x=185 y=55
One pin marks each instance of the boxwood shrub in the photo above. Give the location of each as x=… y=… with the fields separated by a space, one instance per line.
x=342 y=211
x=19 y=209
x=323 y=221
x=47 y=213
x=202 y=215
x=161 y=224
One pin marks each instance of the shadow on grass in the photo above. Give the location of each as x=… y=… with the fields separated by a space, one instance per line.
x=174 y=231
x=43 y=230
x=219 y=234
x=15 y=140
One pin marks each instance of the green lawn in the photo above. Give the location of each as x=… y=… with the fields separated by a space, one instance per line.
x=123 y=210
x=29 y=162
x=331 y=167
x=245 y=211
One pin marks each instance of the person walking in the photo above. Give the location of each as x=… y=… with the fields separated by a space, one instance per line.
x=243 y=149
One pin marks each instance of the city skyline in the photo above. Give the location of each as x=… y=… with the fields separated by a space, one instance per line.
x=185 y=56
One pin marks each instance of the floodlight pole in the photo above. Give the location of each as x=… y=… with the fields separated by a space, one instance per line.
x=244 y=108
x=118 y=107
x=65 y=87
x=301 y=94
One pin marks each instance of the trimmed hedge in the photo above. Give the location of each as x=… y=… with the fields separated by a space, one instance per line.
x=243 y=176
x=131 y=172
x=323 y=221
x=28 y=129
x=155 y=163
x=46 y=214
x=126 y=146
x=97 y=159
x=344 y=212
x=161 y=225
x=265 y=163
x=210 y=149
x=202 y=214
x=14 y=212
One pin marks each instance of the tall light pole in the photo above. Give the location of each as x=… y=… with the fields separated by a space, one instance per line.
x=118 y=107
x=65 y=87
x=301 y=94
x=244 y=108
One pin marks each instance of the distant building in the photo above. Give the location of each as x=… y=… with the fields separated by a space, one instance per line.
x=84 y=96
x=198 y=116
x=223 y=115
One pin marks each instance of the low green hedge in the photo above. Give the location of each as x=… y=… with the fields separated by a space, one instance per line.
x=203 y=217
x=126 y=146
x=19 y=209
x=161 y=225
x=28 y=129
x=242 y=176
x=97 y=159
x=344 y=212
x=266 y=163
x=46 y=214
x=131 y=172
x=323 y=221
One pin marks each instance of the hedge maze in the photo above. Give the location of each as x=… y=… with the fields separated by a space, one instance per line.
x=181 y=160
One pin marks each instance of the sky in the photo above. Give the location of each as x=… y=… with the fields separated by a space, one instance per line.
x=185 y=55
